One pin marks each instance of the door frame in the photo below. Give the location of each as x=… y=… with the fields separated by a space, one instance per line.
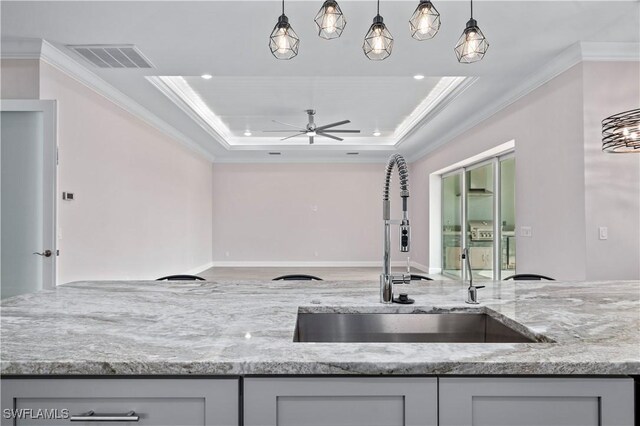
x=48 y=108
x=494 y=161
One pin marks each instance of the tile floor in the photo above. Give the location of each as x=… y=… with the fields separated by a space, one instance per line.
x=326 y=273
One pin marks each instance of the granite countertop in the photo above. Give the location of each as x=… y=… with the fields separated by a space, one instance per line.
x=246 y=327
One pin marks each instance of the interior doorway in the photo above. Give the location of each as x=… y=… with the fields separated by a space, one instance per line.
x=28 y=162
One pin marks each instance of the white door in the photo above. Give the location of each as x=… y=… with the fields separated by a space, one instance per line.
x=27 y=202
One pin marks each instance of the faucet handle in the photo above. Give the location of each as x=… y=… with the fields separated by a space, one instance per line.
x=405 y=236
x=401 y=279
x=472 y=294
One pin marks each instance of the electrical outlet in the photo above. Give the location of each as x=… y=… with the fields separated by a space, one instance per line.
x=226 y=253
x=525 y=231
x=603 y=232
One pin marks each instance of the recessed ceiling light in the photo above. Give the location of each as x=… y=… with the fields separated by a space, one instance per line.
x=274 y=153
x=418 y=77
x=247 y=133
x=353 y=153
x=207 y=76
x=376 y=133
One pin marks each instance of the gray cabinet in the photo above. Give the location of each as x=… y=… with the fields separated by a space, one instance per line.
x=210 y=402
x=352 y=401
x=536 y=401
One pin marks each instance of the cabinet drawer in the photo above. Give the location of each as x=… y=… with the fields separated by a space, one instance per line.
x=211 y=402
x=536 y=401
x=340 y=401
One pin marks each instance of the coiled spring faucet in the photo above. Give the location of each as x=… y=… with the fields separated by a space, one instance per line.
x=387 y=280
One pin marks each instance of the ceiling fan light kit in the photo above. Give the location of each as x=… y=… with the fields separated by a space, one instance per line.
x=330 y=20
x=424 y=24
x=425 y=21
x=283 y=41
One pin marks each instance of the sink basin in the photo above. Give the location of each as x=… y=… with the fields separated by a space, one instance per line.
x=405 y=328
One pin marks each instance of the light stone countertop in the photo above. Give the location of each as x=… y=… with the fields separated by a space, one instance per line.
x=246 y=327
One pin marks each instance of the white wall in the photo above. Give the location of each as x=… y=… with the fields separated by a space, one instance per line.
x=556 y=129
x=267 y=213
x=19 y=78
x=612 y=182
x=143 y=203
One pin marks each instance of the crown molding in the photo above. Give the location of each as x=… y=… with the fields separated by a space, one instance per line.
x=603 y=51
x=20 y=48
x=181 y=94
x=571 y=56
x=46 y=52
x=432 y=105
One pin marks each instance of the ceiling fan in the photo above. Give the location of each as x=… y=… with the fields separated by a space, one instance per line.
x=311 y=130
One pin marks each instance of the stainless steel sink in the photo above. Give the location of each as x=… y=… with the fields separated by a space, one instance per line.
x=405 y=328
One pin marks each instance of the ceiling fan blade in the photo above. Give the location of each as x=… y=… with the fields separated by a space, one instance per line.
x=286 y=124
x=292 y=136
x=340 y=131
x=326 y=135
x=337 y=123
x=311 y=140
x=281 y=131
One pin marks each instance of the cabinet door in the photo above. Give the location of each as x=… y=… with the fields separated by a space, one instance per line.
x=340 y=401
x=187 y=402
x=536 y=401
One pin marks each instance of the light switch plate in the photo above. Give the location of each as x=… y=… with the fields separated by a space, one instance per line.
x=525 y=231
x=603 y=232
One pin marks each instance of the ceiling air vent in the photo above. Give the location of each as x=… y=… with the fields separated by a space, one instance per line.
x=112 y=56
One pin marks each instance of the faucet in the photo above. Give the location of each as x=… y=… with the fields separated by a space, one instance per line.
x=387 y=280
x=472 y=291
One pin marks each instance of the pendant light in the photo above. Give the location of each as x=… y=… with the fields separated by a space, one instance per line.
x=330 y=20
x=621 y=132
x=472 y=45
x=378 y=42
x=283 y=41
x=425 y=21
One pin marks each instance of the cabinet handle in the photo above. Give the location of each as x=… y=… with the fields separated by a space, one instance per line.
x=91 y=416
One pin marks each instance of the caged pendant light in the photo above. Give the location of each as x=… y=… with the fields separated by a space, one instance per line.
x=330 y=20
x=283 y=41
x=472 y=44
x=425 y=21
x=378 y=42
x=621 y=132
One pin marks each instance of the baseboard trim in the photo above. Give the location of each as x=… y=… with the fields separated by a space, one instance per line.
x=312 y=264
x=200 y=268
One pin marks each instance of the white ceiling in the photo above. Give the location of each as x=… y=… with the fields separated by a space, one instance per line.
x=228 y=39
x=252 y=102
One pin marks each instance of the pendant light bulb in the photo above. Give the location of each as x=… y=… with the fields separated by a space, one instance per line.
x=425 y=21
x=283 y=45
x=472 y=44
x=330 y=20
x=378 y=43
x=283 y=41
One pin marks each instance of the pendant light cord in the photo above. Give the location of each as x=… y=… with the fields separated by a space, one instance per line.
x=283 y=7
x=471 y=8
x=378 y=7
